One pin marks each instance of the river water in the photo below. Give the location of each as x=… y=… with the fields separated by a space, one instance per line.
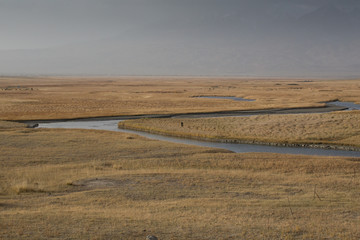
x=349 y=105
x=111 y=125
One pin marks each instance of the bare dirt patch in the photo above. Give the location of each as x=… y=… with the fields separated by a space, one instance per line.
x=95 y=183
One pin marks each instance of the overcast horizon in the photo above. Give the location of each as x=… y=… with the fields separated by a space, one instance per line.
x=299 y=38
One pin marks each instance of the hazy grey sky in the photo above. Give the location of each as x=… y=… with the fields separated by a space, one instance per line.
x=180 y=37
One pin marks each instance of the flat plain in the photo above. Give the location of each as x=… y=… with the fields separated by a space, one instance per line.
x=90 y=184
x=54 y=98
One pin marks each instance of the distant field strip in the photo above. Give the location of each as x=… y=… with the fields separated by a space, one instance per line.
x=69 y=98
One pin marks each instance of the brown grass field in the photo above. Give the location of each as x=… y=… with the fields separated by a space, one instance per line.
x=88 y=184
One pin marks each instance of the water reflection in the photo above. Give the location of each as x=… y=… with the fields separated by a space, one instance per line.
x=349 y=105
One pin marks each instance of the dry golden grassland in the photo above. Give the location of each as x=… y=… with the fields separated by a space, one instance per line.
x=87 y=184
x=52 y=98
x=335 y=129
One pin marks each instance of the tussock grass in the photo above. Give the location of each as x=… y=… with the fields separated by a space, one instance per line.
x=83 y=184
x=340 y=128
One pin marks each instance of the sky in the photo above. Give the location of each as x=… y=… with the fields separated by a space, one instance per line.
x=180 y=37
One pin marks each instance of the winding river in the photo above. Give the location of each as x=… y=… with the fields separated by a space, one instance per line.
x=110 y=124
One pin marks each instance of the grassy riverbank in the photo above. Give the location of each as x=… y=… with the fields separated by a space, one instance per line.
x=340 y=129
x=86 y=184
